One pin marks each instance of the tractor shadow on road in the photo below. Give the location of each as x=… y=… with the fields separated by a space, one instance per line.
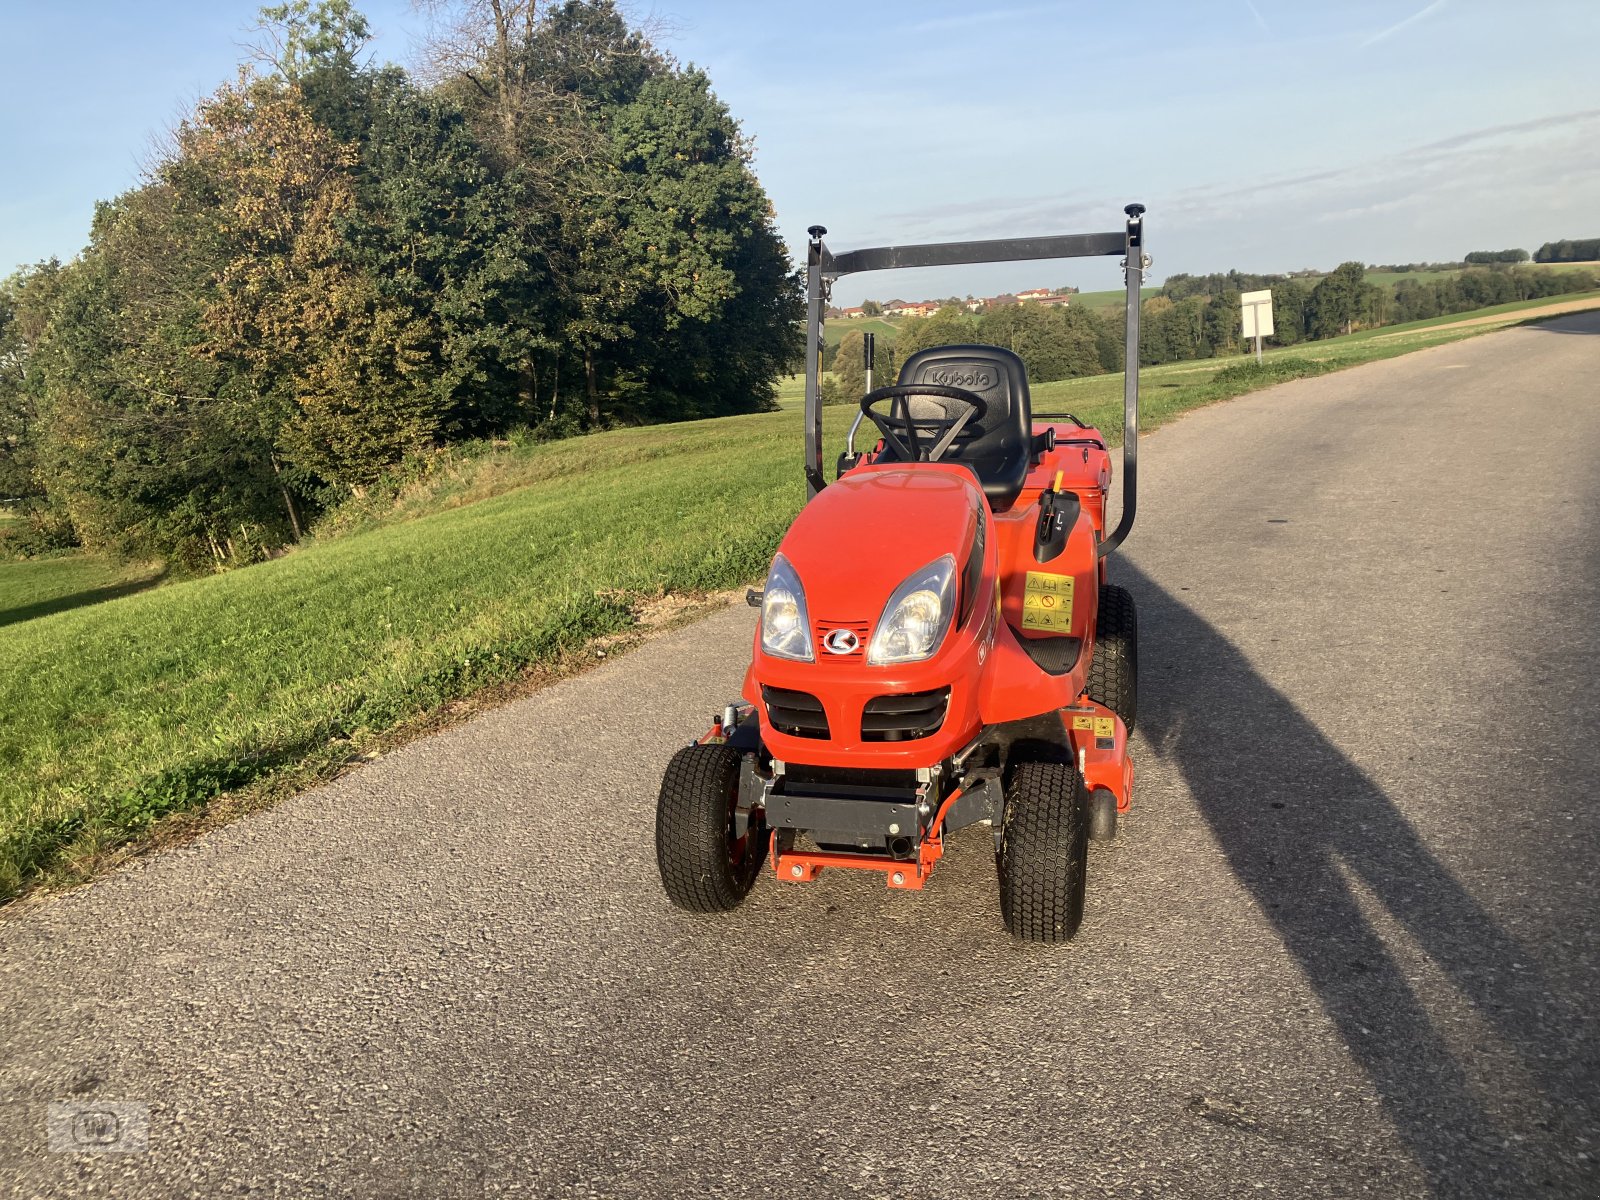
x=1308 y=832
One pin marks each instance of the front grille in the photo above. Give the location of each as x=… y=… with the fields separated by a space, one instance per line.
x=798 y=714
x=904 y=718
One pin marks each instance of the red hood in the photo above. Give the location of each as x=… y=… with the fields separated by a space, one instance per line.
x=859 y=538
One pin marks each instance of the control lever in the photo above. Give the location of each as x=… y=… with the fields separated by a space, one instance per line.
x=1058 y=511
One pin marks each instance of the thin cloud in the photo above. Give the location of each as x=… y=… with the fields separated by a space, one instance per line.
x=1256 y=13
x=1385 y=34
x=1491 y=131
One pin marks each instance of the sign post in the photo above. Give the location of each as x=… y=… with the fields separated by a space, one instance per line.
x=1256 y=308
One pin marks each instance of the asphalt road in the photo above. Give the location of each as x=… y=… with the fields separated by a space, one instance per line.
x=1345 y=946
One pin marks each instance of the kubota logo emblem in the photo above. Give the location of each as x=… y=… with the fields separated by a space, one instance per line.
x=970 y=378
x=841 y=641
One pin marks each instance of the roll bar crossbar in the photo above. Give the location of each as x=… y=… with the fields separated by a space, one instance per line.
x=823 y=267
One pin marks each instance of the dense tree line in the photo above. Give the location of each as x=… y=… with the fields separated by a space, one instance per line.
x=1053 y=342
x=1567 y=250
x=1419 y=299
x=1485 y=257
x=334 y=267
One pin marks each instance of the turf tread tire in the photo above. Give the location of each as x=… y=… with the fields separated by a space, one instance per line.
x=692 y=831
x=1114 y=666
x=1044 y=851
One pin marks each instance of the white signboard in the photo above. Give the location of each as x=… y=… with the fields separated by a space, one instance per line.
x=1257 y=308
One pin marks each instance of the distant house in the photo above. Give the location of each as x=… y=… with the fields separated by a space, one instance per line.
x=1034 y=294
x=851 y=314
x=1003 y=300
x=1052 y=301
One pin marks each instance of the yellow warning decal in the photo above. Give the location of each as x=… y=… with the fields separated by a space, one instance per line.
x=1105 y=727
x=1047 y=602
x=1084 y=723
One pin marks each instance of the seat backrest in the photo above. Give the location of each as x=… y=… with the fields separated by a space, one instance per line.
x=997 y=449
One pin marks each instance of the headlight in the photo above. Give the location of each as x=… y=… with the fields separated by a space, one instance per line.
x=917 y=616
x=785 y=627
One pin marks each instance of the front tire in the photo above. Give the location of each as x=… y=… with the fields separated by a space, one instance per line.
x=703 y=867
x=1114 y=668
x=1044 y=851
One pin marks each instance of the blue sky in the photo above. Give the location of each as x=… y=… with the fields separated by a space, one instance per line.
x=1263 y=134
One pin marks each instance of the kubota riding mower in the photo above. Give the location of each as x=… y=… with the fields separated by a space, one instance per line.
x=939 y=645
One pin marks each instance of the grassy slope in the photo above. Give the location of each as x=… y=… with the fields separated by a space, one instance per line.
x=124 y=711
x=833 y=331
x=37 y=587
x=1111 y=298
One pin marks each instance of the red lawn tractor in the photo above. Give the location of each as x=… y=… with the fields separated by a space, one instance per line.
x=939 y=645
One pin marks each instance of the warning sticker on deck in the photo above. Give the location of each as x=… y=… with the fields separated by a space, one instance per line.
x=1047 y=602
x=1105 y=727
x=1084 y=723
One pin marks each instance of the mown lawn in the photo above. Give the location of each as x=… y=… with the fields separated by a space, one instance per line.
x=119 y=713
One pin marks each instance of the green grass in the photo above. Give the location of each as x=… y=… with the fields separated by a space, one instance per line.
x=833 y=331
x=1388 y=279
x=37 y=587
x=791 y=391
x=1111 y=299
x=120 y=713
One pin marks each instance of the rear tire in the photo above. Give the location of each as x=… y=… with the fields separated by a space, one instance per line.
x=702 y=867
x=1043 y=855
x=1114 y=668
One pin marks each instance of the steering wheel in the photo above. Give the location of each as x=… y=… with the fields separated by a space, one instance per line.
x=899 y=420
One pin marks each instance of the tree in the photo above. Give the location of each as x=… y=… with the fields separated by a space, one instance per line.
x=299 y=36
x=949 y=326
x=1340 y=299
x=334 y=268
x=1497 y=256
x=1291 y=306
x=27 y=299
x=336 y=362
x=871 y=308
x=1053 y=343
x=1569 y=250
x=849 y=367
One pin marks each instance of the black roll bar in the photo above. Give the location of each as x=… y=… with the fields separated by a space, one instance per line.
x=823 y=267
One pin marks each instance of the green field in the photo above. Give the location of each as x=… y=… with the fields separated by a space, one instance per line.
x=1388 y=279
x=275 y=675
x=1110 y=299
x=833 y=331
x=39 y=587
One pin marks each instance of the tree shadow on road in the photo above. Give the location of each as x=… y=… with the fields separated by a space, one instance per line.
x=1578 y=322
x=1307 y=831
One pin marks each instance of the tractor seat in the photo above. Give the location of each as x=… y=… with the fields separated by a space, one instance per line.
x=998 y=449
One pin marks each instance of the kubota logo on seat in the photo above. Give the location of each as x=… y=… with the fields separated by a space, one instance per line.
x=968 y=377
x=841 y=641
